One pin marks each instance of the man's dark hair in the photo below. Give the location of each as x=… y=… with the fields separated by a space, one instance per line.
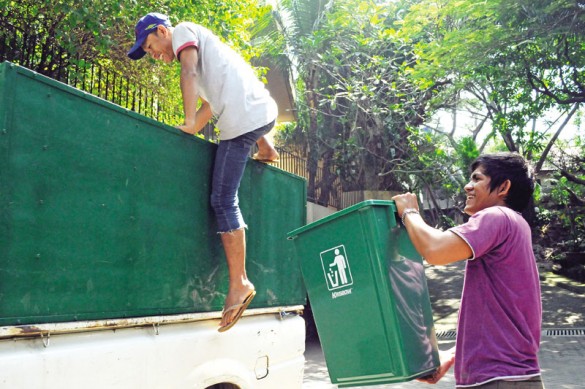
x=508 y=166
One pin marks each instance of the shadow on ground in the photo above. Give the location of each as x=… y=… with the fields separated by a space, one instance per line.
x=561 y=356
x=561 y=308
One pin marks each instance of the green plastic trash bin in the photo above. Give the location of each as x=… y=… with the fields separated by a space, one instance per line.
x=369 y=296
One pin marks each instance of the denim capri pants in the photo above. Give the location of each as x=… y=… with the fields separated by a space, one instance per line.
x=228 y=170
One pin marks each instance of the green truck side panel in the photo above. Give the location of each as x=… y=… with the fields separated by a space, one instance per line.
x=376 y=325
x=105 y=213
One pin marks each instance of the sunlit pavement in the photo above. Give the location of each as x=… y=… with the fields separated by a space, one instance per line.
x=562 y=360
x=317 y=377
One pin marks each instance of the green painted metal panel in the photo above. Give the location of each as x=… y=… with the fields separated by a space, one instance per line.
x=369 y=296
x=105 y=213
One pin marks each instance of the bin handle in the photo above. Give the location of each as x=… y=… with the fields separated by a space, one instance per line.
x=397 y=221
x=395 y=214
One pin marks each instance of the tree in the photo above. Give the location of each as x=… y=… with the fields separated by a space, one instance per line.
x=65 y=38
x=518 y=59
x=548 y=38
x=300 y=37
x=360 y=108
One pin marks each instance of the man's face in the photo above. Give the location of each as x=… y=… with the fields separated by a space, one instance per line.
x=478 y=193
x=159 y=45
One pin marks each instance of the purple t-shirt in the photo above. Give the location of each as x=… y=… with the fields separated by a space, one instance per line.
x=498 y=334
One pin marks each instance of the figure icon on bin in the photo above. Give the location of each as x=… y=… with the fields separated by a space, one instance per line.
x=336 y=268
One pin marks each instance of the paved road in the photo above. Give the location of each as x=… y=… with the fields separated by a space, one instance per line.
x=562 y=360
x=562 y=353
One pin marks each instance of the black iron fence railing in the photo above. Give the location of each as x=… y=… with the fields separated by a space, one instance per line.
x=323 y=193
x=119 y=89
x=39 y=54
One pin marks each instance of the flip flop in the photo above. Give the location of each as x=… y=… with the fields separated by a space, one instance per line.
x=240 y=307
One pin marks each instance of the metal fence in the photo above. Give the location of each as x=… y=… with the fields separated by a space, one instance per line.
x=295 y=164
x=38 y=54
x=327 y=195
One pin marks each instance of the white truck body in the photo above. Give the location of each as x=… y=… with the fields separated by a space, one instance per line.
x=264 y=350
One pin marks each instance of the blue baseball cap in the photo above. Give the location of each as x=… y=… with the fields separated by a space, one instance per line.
x=144 y=27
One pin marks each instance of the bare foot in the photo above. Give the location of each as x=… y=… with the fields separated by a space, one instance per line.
x=269 y=157
x=266 y=151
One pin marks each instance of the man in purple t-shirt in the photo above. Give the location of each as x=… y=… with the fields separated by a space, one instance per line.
x=498 y=332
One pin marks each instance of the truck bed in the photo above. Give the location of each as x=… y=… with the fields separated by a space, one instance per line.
x=105 y=214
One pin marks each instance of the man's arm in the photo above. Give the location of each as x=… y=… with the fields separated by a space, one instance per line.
x=195 y=119
x=447 y=360
x=436 y=246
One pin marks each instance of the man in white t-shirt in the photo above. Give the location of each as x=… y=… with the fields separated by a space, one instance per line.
x=213 y=73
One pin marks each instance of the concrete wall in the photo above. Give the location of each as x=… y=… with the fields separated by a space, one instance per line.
x=316 y=212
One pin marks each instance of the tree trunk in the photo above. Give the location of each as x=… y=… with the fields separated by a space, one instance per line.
x=327 y=180
x=554 y=138
x=312 y=140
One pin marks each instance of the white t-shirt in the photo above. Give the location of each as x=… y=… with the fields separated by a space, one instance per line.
x=237 y=98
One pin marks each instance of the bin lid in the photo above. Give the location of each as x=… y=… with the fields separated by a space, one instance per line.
x=367 y=203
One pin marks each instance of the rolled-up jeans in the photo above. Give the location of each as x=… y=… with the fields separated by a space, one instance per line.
x=228 y=170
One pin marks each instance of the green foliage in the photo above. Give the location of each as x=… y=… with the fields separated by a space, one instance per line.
x=371 y=76
x=565 y=199
x=467 y=152
x=514 y=57
x=559 y=192
x=100 y=33
x=357 y=97
x=368 y=76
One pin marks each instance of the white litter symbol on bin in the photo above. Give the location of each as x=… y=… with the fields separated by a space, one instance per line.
x=336 y=268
